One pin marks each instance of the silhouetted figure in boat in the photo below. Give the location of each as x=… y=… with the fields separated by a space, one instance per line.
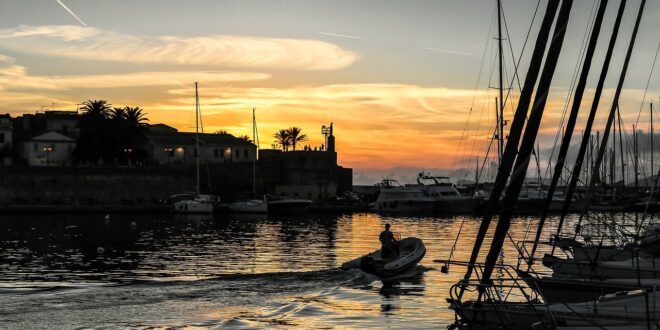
x=390 y=246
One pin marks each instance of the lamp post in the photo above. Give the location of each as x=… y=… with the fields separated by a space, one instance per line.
x=326 y=131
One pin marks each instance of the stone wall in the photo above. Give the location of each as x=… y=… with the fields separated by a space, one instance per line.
x=21 y=185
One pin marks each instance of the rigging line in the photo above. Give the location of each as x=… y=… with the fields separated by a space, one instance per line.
x=476 y=87
x=641 y=107
x=571 y=88
x=522 y=51
x=490 y=146
x=476 y=133
x=484 y=105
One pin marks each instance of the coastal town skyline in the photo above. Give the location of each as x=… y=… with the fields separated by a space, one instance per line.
x=397 y=85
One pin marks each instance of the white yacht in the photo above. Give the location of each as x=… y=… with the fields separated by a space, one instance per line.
x=394 y=197
x=430 y=193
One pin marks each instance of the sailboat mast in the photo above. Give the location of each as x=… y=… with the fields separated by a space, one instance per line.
x=500 y=136
x=197 y=137
x=254 y=162
x=621 y=155
x=652 y=138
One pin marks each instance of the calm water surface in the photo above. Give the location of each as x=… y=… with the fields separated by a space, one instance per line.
x=66 y=271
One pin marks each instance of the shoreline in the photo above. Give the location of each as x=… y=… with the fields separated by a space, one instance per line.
x=35 y=209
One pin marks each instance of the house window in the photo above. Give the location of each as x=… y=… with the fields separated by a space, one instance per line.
x=215 y=153
x=245 y=153
x=70 y=148
x=237 y=153
x=2 y=137
x=35 y=147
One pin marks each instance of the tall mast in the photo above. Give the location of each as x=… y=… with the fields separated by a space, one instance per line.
x=636 y=162
x=621 y=155
x=652 y=138
x=515 y=131
x=197 y=136
x=254 y=162
x=587 y=136
x=610 y=117
x=527 y=143
x=500 y=136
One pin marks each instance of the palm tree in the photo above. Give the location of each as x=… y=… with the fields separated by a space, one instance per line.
x=137 y=128
x=221 y=132
x=135 y=117
x=245 y=138
x=283 y=139
x=117 y=113
x=94 y=139
x=295 y=136
x=96 y=108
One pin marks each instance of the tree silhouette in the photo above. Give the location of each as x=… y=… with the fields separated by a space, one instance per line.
x=283 y=139
x=295 y=136
x=221 y=132
x=99 y=109
x=110 y=134
x=245 y=138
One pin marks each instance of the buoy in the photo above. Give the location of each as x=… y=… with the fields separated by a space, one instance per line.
x=133 y=225
x=107 y=218
x=100 y=250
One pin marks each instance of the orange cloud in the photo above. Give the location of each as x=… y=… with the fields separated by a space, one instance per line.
x=16 y=77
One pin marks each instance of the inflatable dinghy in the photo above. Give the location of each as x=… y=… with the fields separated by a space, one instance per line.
x=411 y=251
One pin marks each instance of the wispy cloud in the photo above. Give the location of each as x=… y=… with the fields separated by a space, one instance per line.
x=6 y=59
x=216 y=50
x=15 y=77
x=341 y=35
x=447 y=51
x=71 y=12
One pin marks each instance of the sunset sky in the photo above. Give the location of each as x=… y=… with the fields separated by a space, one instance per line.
x=397 y=78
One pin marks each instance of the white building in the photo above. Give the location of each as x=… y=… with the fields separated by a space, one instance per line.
x=169 y=146
x=49 y=149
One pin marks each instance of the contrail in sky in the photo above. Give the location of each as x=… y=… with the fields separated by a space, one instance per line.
x=338 y=35
x=447 y=51
x=71 y=12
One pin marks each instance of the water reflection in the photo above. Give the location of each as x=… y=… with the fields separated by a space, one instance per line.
x=235 y=271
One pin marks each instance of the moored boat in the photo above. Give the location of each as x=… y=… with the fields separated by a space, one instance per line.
x=279 y=204
x=248 y=206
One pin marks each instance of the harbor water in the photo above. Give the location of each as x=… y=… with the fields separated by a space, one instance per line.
x=234 y=272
